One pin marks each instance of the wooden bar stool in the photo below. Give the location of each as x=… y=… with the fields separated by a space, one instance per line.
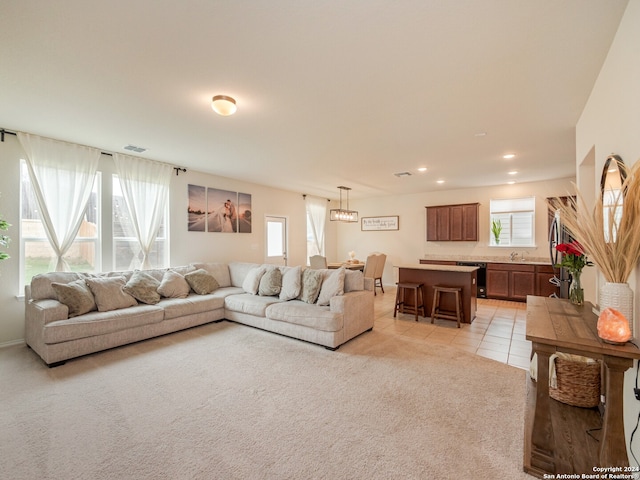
x=437 y=312
x=418 y=300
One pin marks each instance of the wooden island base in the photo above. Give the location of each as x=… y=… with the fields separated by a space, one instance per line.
x=464 y=277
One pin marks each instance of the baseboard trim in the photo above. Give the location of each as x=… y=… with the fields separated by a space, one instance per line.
x=12 y=343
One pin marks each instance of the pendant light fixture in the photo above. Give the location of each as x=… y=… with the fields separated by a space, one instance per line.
x=223 y=105
x=342 y=214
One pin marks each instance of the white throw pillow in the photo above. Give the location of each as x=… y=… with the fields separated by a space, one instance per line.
x=251 y=282
x=291 y=282
x=332 y=285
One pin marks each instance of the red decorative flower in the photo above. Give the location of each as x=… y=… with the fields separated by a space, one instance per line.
x=573 y=257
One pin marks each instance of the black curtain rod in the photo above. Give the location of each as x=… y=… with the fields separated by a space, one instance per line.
x=7 y=132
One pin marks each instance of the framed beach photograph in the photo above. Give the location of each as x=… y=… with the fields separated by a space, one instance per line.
x=197 y=209
x=244 y=212
x=371 y=224
x=222 y=211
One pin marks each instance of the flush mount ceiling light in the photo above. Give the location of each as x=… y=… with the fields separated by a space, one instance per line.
x=223 y=105
x=343 y=214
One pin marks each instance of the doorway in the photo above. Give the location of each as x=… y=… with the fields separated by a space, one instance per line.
x=276 y=241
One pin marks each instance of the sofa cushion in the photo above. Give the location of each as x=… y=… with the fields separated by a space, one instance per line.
x=311 y=284
x=173 y=285
x=220 y=271
x=41 y=284
x=251 y=282
x=271 y=282
x=291 y=282
x=201 y=282
x=332 y=285
x=301 y=313
x=143 y=287
x=249 y=303
x=194 y=303
x=100 y=323
x=109 y=294
x=238 y=271
x=353 y=281
x=76 y=296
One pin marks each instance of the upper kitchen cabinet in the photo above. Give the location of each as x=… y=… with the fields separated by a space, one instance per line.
x=456 y=223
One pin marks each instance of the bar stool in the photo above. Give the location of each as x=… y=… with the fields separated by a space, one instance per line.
x=437 y=312
x=418 y=300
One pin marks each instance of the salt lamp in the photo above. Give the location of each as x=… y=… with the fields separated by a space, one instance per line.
x=613 y=327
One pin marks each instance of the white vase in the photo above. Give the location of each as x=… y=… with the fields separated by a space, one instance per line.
x=618 y=296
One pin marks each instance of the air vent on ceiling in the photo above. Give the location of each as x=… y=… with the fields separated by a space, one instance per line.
x=133 y=148
x=402 y=174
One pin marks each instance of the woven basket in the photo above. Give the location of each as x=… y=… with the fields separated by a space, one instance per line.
x=578 y=383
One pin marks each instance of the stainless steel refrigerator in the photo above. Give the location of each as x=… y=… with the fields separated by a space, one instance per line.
x=559 y=234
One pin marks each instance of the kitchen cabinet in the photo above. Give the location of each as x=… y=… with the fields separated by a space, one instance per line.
x=514 y=281
x=456 y=223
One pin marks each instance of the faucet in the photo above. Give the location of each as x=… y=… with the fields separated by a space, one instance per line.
x=513 y=255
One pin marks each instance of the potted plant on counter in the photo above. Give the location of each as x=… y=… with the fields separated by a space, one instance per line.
x=496 y=229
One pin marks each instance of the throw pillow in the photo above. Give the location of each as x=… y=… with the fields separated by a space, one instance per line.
x=76 y=296
x=143 y=287
x=353 y=281
x=291 y=282
x=109 y=294
x=201 y=282
x=332 y=285
x=271 y=282
x=173 y=285
x=311 y=284
x=251 y=282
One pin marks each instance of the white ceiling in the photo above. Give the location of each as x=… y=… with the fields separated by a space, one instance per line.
x=329 y=92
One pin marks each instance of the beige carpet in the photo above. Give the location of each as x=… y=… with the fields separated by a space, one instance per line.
x=226 y=401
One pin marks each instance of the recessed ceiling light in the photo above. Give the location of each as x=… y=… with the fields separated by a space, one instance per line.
x=511 y=182
x=480 y=134
x=440 y=181
x=508 y=156
x=513 y=172
x=422 y=169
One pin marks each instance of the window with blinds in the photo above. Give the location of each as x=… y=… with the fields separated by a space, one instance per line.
x=516 y=217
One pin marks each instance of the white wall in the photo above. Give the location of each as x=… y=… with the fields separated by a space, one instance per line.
x=408 y=244
x=185 y=246
x=610 y=123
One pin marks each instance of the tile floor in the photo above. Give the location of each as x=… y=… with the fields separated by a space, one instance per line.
x=498 y=331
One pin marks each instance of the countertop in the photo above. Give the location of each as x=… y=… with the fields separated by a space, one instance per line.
x=438 y=268
x=479 y=258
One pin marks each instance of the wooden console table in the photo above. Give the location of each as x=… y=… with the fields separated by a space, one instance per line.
x=555 y=325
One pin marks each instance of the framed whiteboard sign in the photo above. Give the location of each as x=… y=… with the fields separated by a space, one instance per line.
x=380 y=223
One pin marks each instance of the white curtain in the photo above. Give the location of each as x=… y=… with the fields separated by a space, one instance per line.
x=317 y=215
x=145 y=187
x=62 y=176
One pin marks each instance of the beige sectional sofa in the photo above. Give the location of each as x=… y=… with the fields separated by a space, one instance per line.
x=325 y=307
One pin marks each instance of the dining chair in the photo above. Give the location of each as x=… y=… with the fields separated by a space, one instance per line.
x=370 y=268
x=377 y=277
x=317 y=262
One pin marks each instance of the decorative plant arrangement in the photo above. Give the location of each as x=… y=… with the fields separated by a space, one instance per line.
x=612 y=241
x=615 y=259
x=574 y=260
x=496 y=229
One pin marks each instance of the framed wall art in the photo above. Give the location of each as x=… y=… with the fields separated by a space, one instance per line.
x=373 y=224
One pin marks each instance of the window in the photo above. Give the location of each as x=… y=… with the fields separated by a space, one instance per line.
x=85 y=254
x=127 y=254
x=516 y=219
x=37 y=254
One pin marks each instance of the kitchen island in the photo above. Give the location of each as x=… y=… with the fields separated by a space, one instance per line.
x=444 y=275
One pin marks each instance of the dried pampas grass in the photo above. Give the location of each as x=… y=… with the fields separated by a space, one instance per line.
x=593 y=230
